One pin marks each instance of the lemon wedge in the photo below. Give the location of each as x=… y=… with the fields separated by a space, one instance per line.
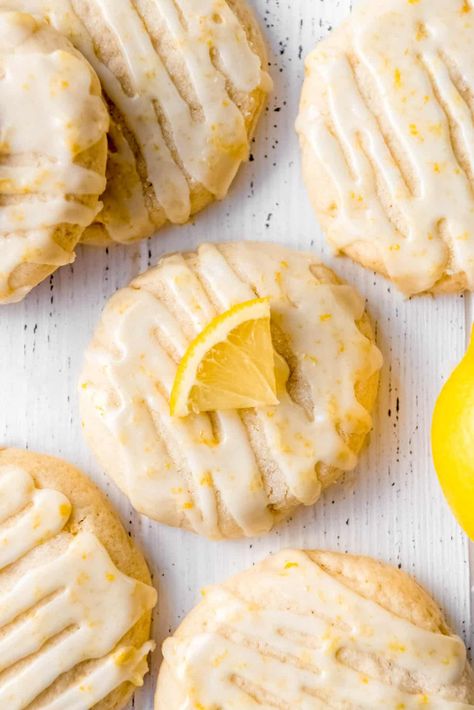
x=452 y=439
x=231 y=364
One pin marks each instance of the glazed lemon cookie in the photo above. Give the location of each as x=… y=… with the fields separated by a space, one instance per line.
x=233 y=471
x=315 y=630
x=53 y=151
x=386 y=132
x=75 y=594
x=185 y=81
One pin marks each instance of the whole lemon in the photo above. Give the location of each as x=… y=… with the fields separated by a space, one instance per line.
x=452 y=440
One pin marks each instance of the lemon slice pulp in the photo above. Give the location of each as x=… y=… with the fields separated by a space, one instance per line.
x=452 y=438
x=231 y=364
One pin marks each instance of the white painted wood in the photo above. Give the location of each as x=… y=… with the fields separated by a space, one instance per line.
x=391 y=507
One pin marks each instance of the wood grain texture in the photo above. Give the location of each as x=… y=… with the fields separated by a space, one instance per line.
x=391 y=507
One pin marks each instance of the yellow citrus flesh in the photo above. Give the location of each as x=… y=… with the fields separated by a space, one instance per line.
x=452 y=438
x=282 y=372
x=231 y=364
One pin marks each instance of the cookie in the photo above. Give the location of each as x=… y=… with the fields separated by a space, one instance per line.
x=387 y=140
x=229 y=473
x=75 y=594
x=186 y=82
x=53 y=151
x=315 y=630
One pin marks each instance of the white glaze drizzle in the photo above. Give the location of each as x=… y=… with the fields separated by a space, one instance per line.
x=210 y=147
x=404 y=48
x=127 y=664
x=77 y=600
x=173 y=468
x=47 y=117
x=283 y=636
x=45 y=516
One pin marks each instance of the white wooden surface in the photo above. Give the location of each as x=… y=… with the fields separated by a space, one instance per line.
x=391 y=507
